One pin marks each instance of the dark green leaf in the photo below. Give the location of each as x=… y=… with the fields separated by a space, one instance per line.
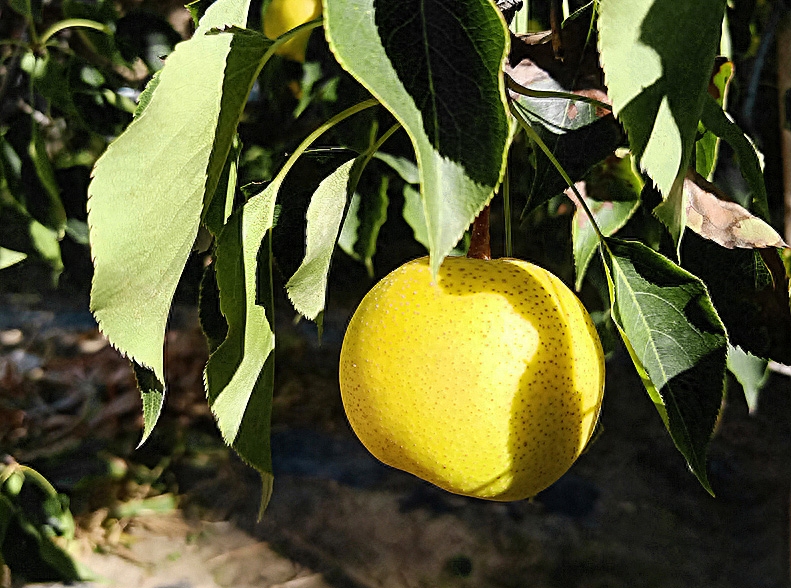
x=707 y=146
x=414 y=215
x=532 y=64
x=30 y=9
x=212 y=322
x=750 y=292
x=577 y=152
x=23 y=234
x=52 y=79
x=613 y=177
x=365 y=217
x=437 y=66
x=716 y=120
x=47 y=208
x=145 y=35
x=676 y=341
x=221 y=204
x=240 y=372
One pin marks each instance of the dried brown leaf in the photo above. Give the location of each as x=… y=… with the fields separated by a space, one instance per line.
x=712 y=216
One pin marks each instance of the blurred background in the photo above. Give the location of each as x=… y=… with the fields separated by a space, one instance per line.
x=80 y=503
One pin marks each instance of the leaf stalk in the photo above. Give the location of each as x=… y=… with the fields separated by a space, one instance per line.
x=533 y=135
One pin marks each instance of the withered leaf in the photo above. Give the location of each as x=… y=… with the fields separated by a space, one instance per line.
x=580 y=134
x=532 y=63
x=712 y=216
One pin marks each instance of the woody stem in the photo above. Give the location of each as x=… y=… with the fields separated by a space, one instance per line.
x=480 y=247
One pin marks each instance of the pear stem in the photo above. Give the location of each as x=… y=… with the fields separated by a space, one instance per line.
x=480 y=247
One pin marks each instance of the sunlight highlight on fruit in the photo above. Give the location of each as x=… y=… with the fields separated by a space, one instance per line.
x=487 y=383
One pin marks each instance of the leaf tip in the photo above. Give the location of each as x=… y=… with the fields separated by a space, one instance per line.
x=267 y=484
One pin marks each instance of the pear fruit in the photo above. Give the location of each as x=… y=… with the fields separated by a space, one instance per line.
x=281 y=16
x=487 y=381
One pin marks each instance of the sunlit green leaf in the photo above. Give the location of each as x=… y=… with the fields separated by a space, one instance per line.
x=307 y=288
x=676 y=340
x=750 y=371
x=9 y=257
x=150 y=186
x=152 y=393
x=402 y=166
x=437 y=66
x=657 y=57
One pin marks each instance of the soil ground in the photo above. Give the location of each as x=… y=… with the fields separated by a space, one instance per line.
x=629 y=513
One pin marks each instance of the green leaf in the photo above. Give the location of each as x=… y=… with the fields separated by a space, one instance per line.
x=749 y=289
x=152 y=393
x=151 y=185
x=437 y=66
x=47 y=208
x=24 y=234
x=30 y=9
x=750 y=371
x=613 y=177
x=51 y=76
x=9 y=257
x=307 y=288
x=365 y=217
x=576 y=152
x=147 y=94
x=221 y=204
x=212 y=322
x=716 y=120
x=240 y=372
x=404 y=167
x=707 y=146
x=676 y=340
x=414 y=215
x=557 y=114
x=657 y=57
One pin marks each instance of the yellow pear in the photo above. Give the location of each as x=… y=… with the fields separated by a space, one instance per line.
x=283 y=15
x=486 y=381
